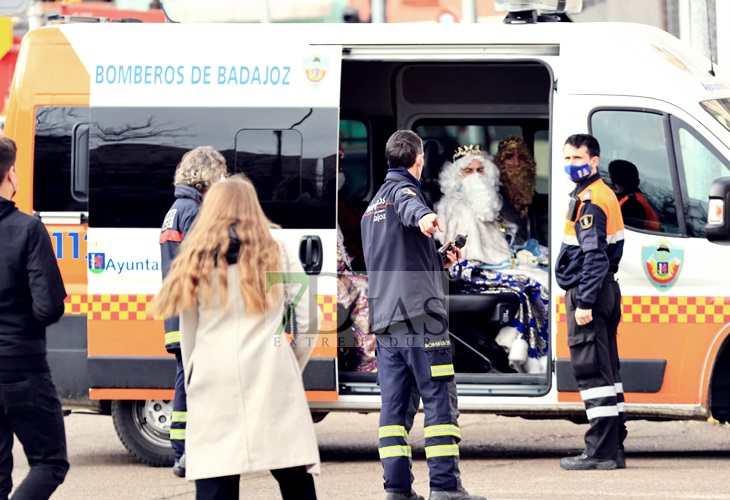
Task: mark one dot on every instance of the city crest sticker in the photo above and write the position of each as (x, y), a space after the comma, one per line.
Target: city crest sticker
(662, 264)
(316, 68)
(97, 256)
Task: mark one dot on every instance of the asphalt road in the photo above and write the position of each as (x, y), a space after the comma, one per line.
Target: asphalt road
(502, 458)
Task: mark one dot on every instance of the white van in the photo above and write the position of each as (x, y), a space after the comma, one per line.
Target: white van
(102, 113)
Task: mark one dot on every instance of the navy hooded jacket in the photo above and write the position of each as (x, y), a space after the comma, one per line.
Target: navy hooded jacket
(404, 269)
(177, 223)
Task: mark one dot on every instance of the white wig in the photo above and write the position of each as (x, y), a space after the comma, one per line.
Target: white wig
(451, 180)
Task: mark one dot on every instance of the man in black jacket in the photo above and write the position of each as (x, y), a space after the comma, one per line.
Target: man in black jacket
(31, 298)
(408, 314)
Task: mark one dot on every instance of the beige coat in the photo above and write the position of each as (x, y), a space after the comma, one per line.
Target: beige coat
(247, 410)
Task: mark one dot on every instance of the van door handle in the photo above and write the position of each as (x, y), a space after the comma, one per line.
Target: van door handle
(310, 254)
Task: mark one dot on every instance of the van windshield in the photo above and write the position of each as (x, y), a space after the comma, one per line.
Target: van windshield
(719, 109)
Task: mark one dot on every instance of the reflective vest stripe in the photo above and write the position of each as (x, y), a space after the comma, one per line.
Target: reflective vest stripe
(179, 416)
(442, 450)
(392, 431)
(602, 411)
(613, 238)
(605, 391)
(394, 451)
(177, 434)
(442, 430)
(172, 337)
(442, 370)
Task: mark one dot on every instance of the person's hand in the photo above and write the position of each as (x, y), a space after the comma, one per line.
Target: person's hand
(454, 255)
(429, 224)
(583, 316)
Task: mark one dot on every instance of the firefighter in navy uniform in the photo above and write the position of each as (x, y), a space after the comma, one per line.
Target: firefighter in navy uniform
(593, 243)
(196, 172)
(408, 313)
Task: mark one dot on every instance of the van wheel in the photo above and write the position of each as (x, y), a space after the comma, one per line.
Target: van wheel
(144, 429)
(720, 386)
(318, 416)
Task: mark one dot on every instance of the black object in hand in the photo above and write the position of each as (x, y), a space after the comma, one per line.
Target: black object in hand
(459, 242)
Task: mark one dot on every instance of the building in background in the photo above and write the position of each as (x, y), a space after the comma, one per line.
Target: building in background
(703, 23)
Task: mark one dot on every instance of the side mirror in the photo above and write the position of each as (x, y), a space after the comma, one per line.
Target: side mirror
(718, 217)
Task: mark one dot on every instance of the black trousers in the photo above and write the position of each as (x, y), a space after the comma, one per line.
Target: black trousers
(295, 483)
(179, 410)
(595, 361)
(30, 409)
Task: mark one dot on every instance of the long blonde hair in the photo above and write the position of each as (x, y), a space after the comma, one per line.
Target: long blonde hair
(231, 202)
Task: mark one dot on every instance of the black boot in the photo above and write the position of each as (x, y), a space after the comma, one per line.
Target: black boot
(621, 458)
(404, 496)
(584, 462)
(454, 495)
(179, 468)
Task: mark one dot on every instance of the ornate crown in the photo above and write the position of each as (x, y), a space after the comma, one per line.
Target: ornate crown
(467, 151)
(511, 142)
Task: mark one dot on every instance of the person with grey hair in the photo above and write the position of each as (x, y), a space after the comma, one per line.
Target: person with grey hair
(198, 170)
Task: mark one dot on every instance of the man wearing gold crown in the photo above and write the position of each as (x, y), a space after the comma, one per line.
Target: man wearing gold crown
(518, 173)
(470, 205)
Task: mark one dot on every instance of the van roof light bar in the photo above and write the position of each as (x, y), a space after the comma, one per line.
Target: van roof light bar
(538, 11)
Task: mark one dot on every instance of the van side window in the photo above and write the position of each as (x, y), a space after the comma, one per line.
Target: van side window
(701, 165)
(355, 164)
(53, 190)
(639, 137)
(542, 158)
(272, 160)
(289, 154)
(353, 195)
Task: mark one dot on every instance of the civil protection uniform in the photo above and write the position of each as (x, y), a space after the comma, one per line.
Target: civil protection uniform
(593, 242)
(177, 223)
(649, 216)
(408, 311)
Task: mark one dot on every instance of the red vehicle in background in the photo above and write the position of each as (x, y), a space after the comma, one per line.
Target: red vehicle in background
(12, 30)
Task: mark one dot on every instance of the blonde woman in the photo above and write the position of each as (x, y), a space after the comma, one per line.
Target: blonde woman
(247, 410)
(198, 170)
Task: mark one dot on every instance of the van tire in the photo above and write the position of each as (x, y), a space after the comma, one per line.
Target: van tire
(149, 442)
(720, 386)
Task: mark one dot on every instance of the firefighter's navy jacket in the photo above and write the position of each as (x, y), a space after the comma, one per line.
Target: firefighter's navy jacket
(404, 268)
(593, 241)
(177, 223)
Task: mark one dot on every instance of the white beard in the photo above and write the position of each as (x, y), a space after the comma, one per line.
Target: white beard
(483, 198)
(471, 207)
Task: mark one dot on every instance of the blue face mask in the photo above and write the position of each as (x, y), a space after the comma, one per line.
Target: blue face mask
(577, 172)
